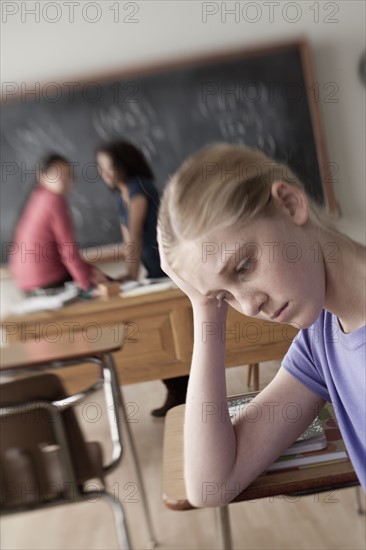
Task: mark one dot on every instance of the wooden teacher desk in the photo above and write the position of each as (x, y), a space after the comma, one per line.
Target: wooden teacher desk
(158, 333)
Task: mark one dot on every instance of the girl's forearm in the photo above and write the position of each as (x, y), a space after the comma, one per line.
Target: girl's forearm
(209, 439)
(133, 263)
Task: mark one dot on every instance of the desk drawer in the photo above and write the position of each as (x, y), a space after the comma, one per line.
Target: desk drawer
(255, 340)
(156, 345)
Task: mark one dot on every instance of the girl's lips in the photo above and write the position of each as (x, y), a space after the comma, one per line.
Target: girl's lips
(280, 314)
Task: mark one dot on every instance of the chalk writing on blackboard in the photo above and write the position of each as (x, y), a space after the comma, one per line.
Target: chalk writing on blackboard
(260, 98)
(77, 216)
(33, 140)
(237, 119)
(137, 119)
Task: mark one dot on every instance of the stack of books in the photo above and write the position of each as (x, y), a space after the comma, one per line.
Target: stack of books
(320, 443)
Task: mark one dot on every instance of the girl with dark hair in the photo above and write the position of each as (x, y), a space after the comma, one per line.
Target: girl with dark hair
(126, 172)
(45, 253)
(128, 175)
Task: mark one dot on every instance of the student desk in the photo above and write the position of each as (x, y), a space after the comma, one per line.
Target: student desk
(158, 334)
(29, 357)
(305, 481)
(32, 354)
(69, 350)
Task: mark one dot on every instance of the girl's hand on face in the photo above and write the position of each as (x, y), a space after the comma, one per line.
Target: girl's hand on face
(196, 298)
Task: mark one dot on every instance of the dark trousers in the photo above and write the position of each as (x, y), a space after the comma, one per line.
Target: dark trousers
(177, 385)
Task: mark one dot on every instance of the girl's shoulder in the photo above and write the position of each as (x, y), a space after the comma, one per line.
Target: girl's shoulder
(327, 332)
(142, 186)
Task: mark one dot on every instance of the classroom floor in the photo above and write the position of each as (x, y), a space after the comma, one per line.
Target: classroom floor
(324, 521)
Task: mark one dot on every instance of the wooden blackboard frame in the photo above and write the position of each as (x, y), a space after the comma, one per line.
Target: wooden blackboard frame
(301, 45)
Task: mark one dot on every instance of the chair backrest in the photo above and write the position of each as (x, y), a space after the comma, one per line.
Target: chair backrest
(31, 460)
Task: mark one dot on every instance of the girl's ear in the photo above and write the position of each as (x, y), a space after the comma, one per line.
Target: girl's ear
(291, 200)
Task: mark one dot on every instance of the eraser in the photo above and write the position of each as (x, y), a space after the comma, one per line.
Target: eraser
(108, 290)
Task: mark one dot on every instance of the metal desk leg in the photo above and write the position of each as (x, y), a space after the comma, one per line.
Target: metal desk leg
(118, 395)
(359, 507)
(225, 529)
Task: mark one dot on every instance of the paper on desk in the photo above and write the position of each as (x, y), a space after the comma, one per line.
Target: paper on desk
(146, 288)
(44, 303)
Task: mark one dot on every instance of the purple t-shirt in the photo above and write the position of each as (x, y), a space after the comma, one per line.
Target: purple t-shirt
(333, 365)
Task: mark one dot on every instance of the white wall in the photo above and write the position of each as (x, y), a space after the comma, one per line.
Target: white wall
(71, 48)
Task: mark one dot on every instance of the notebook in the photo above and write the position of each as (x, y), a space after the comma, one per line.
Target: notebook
(320, 442)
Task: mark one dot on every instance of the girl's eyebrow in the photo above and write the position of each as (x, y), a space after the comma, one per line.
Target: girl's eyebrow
(223, 270)
(225, 267)
(238, 257)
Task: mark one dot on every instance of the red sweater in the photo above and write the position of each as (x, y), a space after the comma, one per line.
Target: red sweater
(44, 248)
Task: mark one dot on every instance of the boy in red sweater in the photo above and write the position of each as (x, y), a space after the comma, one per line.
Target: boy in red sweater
(45, 253)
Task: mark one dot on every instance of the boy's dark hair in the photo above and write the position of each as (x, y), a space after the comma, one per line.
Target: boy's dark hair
(43, 165)
(127, 159)
(50, 159)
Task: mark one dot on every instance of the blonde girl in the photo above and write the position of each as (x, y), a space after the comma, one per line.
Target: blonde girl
(237, 229)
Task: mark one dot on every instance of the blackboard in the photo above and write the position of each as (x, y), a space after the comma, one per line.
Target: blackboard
(263, 98)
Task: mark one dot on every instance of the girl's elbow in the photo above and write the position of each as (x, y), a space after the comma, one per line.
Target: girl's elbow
(198, 498)
(211, 494)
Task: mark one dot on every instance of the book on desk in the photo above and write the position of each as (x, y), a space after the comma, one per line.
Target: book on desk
(320, 443)
(49, 299)
(52, 299)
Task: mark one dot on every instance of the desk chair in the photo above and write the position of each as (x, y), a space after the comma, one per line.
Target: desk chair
(305, 481)
(45, 460)
(33, 357)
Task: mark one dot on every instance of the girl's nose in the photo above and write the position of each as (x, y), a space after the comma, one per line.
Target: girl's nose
(253, 303)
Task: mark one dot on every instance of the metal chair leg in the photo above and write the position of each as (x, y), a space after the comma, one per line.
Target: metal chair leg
(225, 528)
(123, 537)
(135, 460)
(113, 405)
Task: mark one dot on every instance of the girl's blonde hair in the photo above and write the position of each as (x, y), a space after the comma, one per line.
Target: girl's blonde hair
(220, 186)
